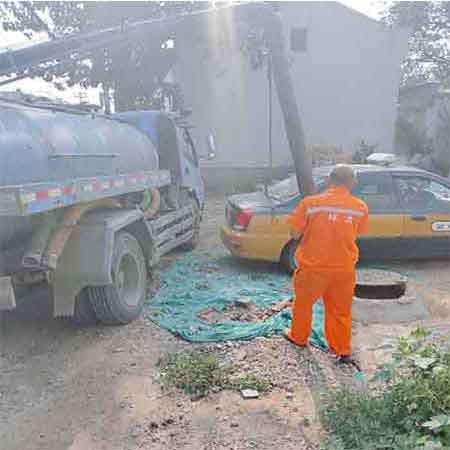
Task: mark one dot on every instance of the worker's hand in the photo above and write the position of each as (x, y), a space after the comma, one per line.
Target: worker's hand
(296, 235)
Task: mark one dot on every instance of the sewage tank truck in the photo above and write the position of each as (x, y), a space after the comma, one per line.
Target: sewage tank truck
(89, 203)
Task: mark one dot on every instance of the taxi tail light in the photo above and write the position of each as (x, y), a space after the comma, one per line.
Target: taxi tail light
(243, 219)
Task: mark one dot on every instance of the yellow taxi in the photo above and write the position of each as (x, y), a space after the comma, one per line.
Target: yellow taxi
(409, 216)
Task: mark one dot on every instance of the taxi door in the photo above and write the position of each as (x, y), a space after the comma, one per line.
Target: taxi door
(425, 203)
(383, 238)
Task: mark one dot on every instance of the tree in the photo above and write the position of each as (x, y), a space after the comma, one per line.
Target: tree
(426, 146)
(134, 70)
(429, 23)
(428, 60)
(441, 138)
(362, 152)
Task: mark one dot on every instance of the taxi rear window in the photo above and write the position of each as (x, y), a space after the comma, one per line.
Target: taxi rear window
(288, 187)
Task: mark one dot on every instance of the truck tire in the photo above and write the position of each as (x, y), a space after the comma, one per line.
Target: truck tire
(122, 301)
(287, 260)
(84, 313)
(193, 242)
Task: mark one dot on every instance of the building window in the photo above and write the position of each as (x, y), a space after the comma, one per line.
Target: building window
(298, 39)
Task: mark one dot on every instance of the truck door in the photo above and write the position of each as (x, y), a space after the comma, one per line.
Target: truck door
(425, 202)
(190, 171)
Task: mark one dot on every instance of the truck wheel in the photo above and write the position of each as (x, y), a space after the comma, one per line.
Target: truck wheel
(287, 259)
(84, 313)
(193, 242)
(121, 302)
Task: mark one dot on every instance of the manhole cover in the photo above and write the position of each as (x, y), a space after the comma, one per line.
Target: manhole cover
(379, 284)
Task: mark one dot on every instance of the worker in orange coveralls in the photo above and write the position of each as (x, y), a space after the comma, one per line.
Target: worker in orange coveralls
(328, 224)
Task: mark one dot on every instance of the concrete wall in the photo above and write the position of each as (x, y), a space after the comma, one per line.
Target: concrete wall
(346, 83)
(240, 178)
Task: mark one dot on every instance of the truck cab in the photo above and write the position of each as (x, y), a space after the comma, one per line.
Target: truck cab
(176, 148)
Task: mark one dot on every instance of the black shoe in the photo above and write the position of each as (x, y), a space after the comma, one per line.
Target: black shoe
(348, 360)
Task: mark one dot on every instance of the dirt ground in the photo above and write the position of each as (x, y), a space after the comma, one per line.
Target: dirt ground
(63, 387)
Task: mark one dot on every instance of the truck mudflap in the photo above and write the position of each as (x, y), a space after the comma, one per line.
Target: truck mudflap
(34, 198)
(86, 258)
(7, 297)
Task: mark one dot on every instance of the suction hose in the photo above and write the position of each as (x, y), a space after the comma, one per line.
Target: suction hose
(151, 202)
(62, 232)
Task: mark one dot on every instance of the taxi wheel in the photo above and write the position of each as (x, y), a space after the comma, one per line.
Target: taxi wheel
(287, 259)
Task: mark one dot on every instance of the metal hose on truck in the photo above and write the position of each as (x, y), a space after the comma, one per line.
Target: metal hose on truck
(52, 234)
(50, 237)
(151, 202)
(62, 232)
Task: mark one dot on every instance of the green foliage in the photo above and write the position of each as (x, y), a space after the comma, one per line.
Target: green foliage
(362, 152)
(250, 381)
(194, 372)
(441, 140)
(198, 373)
(409, 137)
(414, 141)
(412, 411)
(429, 25)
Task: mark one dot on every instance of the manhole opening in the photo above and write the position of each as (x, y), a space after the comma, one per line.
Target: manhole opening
(380, 292)
(379, 284)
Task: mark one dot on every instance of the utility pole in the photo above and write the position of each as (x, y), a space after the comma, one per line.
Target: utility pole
(286, 96)
(106, 97)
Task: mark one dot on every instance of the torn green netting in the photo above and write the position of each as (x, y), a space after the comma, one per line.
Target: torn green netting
(196, 282)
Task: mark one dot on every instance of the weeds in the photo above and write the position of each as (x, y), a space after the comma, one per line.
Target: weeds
(196, 373)
(199, 373)
(250, 381)
(411, 412)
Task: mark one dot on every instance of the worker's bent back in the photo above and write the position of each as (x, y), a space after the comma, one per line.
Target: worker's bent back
(330, 223)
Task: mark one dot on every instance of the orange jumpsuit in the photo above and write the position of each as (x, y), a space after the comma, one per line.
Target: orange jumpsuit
(330, 223)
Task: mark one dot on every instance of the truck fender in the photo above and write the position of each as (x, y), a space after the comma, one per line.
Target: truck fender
(87, 256)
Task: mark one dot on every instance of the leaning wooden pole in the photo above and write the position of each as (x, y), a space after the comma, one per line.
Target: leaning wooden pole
(287, 99)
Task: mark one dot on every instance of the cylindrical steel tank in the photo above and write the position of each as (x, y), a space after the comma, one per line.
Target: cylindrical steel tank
(39, 145)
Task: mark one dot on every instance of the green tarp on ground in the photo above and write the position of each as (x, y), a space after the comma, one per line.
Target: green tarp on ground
(196, 282)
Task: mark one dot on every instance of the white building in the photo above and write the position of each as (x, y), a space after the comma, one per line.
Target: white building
(346, 83)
